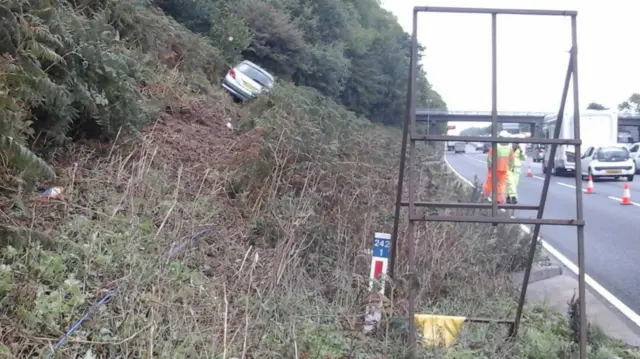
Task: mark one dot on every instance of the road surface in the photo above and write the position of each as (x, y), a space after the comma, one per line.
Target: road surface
(612, 231)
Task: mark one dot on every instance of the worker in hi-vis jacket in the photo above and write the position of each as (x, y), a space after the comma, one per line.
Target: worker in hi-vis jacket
(505, 159)
(513, 178)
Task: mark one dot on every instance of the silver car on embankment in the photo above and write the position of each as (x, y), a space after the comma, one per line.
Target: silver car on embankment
(247, 80)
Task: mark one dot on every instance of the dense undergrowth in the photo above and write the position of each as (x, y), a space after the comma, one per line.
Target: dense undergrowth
(247, 243)
(208, 241)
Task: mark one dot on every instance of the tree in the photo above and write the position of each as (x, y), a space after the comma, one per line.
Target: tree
(476, 131)
(63, 75)
(596, 106)
(353, 51)
(632, 104)
(76, 70)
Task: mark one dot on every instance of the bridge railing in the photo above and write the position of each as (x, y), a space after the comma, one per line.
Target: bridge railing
(480, 113)
(444, 112)
(631, 116)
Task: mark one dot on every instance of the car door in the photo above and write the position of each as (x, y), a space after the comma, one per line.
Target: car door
(586, 160)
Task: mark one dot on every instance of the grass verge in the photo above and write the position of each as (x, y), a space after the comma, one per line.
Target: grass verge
(250, 243)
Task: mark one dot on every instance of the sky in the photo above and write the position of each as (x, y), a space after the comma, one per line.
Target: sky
(533, 53)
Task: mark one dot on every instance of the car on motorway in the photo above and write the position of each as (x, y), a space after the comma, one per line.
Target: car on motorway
(538, 154)
(634, 151)
(480, 147)
(247, 80)
(460, 147)
(486, 147)
(608, 161)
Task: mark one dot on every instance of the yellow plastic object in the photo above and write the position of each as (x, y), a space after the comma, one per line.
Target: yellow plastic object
(437, 329)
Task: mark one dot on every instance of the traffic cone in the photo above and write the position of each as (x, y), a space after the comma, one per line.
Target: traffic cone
(590, 186)
(626, 195)
(529, 173)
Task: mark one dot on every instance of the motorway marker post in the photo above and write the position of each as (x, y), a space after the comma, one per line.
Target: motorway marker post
(379, 265)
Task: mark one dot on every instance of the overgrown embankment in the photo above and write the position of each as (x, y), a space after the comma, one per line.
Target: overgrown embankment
(249, 241)
(211, 241)
(288, 206)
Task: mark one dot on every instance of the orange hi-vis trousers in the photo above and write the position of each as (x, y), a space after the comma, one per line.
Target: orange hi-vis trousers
(505, 156)
(502, 185)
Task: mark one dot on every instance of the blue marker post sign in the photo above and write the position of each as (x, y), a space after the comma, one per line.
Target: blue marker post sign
(379, 263)
(381, 245)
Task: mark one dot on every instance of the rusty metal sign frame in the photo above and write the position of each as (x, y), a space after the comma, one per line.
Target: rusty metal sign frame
(410, 136)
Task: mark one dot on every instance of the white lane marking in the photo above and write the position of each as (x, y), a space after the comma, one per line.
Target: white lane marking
(566, 185)
(457, 173)
(620, 200)
(475, 159)
(617, 303)
(538, 177)
(571, 186)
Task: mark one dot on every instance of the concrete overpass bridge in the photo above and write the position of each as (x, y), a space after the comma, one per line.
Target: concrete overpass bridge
(626, 122)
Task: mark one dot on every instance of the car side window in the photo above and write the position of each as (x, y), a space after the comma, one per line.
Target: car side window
(634, 148)
(588, 153)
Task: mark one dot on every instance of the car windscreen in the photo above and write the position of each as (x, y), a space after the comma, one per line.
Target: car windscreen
(255, 75)
(612, 154)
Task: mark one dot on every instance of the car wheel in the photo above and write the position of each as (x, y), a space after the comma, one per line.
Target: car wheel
(630, 178)
(616, 178)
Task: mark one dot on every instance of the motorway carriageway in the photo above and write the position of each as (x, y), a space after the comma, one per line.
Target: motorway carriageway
(612, 231)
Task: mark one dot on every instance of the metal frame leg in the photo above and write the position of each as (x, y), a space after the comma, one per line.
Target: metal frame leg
(543, 201)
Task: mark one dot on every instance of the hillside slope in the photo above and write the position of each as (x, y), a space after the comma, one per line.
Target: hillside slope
(180, 237)
(352, 51)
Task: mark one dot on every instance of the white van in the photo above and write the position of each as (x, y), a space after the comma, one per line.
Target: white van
(597, 128)
(460, 147)
(450, 145)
